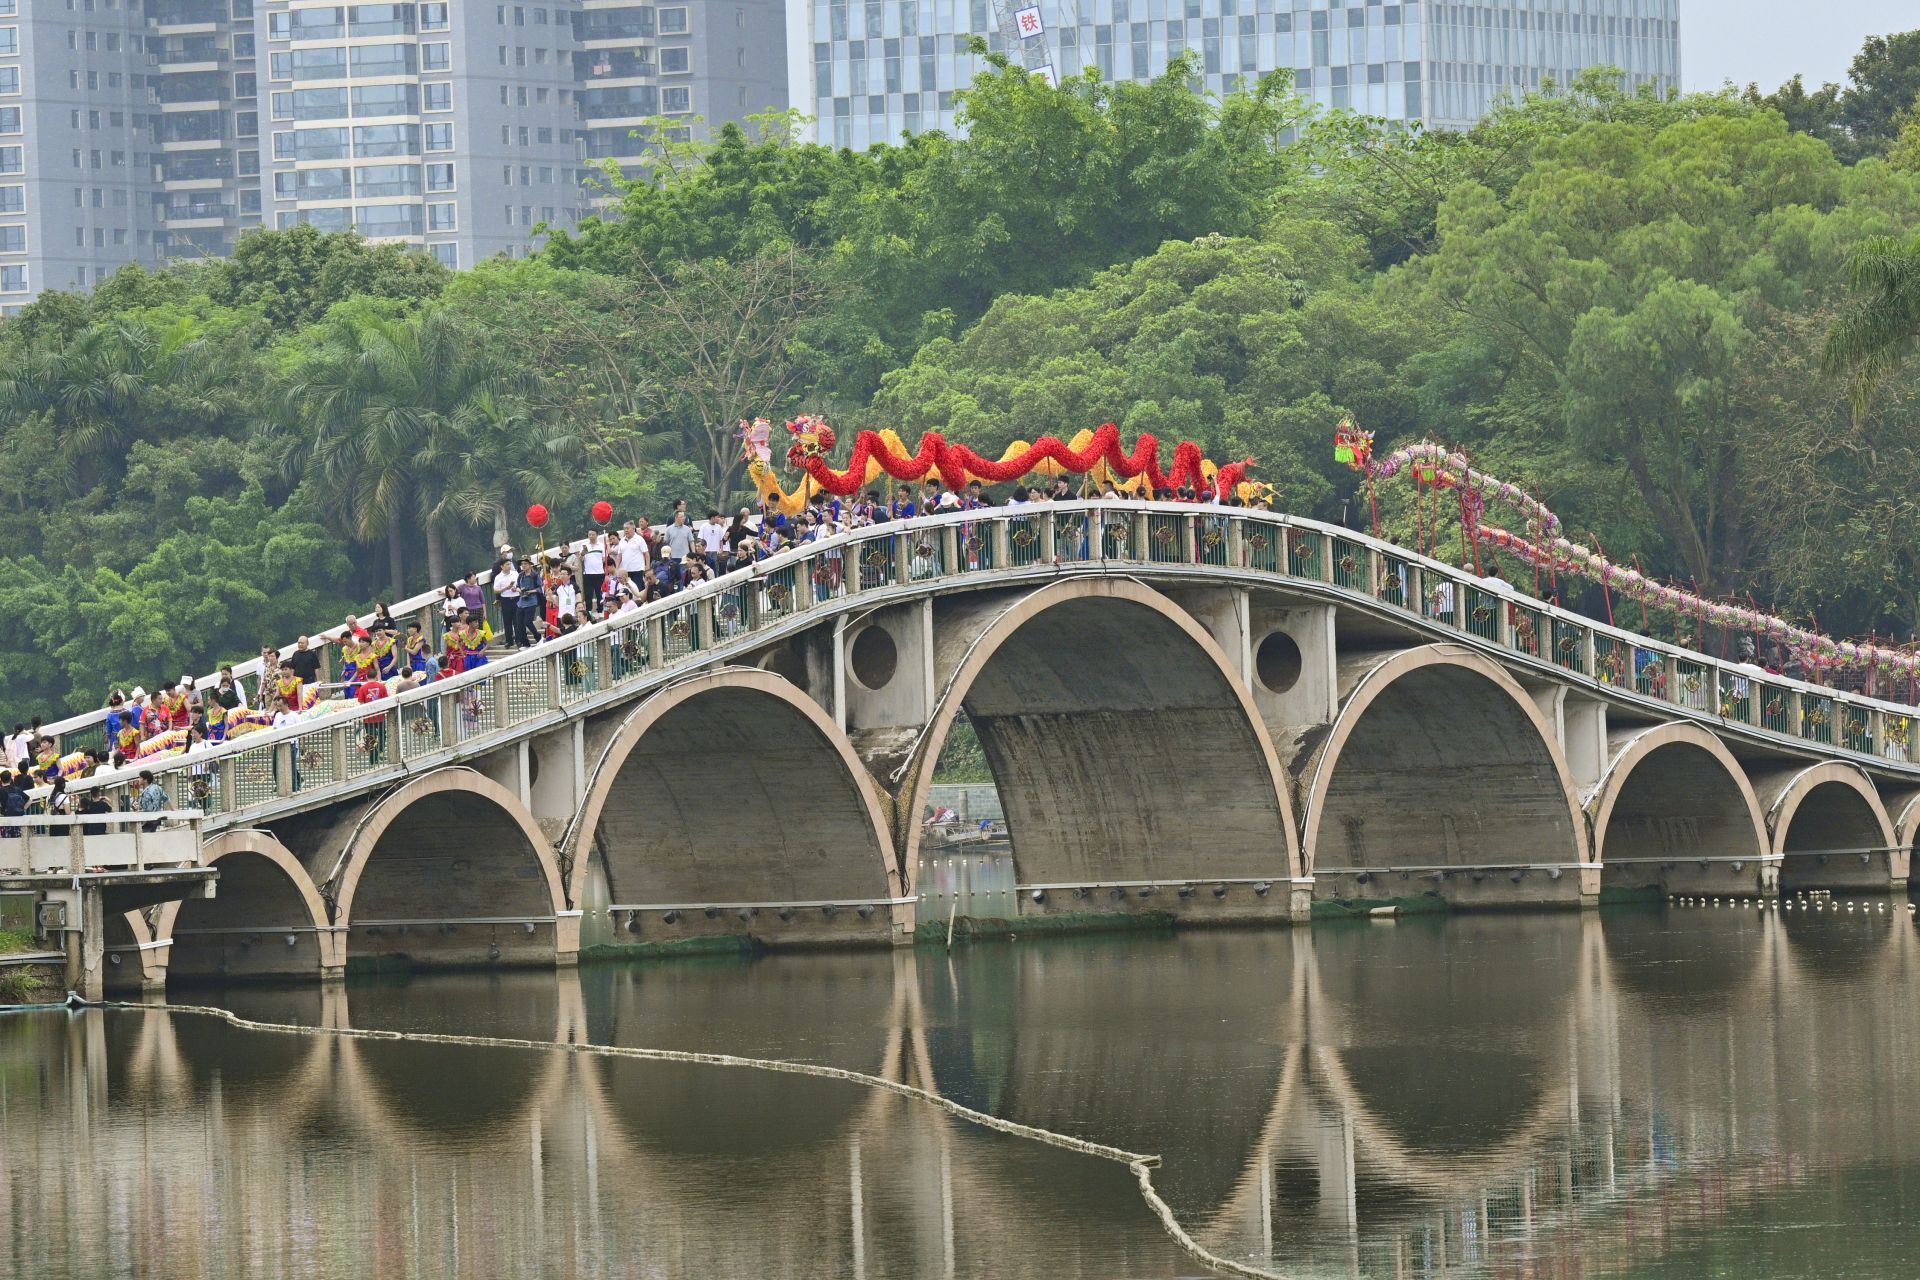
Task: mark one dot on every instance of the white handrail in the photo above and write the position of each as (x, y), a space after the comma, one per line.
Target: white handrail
(251, 666)
(1186, 559)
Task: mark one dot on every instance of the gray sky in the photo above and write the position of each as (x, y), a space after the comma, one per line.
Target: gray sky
(1768, 40)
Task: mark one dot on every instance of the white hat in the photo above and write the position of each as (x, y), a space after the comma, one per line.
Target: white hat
(949, 499)
(137, 694)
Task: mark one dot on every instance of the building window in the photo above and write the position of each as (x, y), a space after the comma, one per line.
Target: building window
(13, 159)
(439, 177)
(9, 120)
(246, 85)
(436, 57)
(13, 199)
(441, 217)
(13, 279)
(675, 61)
(449, 255)
(9, 8)
(675, 102)
(10, 80)
(433, 17)
(13, 239)
(439, 137)
(673, 22)
(10, 41)
(439, 96)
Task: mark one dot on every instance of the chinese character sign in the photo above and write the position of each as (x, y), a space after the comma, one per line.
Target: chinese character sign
(1027, 22)
(1047, 73)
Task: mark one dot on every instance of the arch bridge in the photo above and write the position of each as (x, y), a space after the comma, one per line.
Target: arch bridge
(1211, 712)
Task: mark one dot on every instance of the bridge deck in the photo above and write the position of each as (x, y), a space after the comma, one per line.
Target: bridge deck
(361, 748)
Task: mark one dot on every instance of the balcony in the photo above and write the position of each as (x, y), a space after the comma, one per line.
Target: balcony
(614, 64)
(197, 213)
(591, 28)
(199, 56)
(193, 168)
(173, 15)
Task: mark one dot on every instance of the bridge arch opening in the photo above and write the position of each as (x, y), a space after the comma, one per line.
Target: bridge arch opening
(268, 920)
(451, 870)
(1133, 768)
(1832, 831)
(731, 804)
(1440, 775)
(1675, 813)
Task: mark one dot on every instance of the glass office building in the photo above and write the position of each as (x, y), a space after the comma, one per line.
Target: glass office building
(869, 70)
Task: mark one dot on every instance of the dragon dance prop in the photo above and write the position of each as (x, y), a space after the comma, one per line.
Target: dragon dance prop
(882, 454)
(1544, 547)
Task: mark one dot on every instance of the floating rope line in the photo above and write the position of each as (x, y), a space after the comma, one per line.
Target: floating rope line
(1141, 1165)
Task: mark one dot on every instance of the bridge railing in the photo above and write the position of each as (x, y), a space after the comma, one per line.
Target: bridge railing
(88, 728)
(1016, 543)
(72, 844)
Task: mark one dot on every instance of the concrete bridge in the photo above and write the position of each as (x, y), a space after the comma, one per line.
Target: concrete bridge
(1219, 714)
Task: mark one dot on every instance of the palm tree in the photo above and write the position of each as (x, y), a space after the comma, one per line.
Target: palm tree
(122, 381)
(380, 406)
(1882, 327)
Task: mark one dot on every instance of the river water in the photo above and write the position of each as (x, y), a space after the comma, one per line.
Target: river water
(1644, 1093)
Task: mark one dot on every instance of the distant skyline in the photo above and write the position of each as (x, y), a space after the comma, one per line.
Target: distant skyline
(1768, 41)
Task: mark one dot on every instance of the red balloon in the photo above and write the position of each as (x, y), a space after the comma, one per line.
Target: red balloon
(602, 512)
(536, 515)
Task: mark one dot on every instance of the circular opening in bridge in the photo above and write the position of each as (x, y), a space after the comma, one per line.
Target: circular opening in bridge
(1277, 662)
(873, 657)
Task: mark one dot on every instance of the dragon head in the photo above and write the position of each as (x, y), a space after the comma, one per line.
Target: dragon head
(812, 437)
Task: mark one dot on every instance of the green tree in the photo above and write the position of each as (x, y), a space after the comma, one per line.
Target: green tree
(294, 275)
(1615, 289)
(391, 415)
(1880, 330)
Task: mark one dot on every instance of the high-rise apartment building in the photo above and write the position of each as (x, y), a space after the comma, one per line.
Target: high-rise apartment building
(869, 70)
(139, 130)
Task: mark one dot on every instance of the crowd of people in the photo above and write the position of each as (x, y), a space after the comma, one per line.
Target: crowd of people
(523, 600)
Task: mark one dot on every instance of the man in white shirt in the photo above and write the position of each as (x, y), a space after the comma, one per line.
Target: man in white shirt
(634, 556)
(17, 745)
(506, 589)
(713, 539)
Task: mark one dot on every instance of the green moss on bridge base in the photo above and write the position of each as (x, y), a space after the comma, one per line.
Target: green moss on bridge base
(1426, 904)
(679, 949)
(1616, 896)
(969, 929)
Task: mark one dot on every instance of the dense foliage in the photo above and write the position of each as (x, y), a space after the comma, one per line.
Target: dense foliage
(1680, 321)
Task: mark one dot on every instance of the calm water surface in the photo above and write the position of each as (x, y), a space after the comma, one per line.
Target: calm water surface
(1678, 1093)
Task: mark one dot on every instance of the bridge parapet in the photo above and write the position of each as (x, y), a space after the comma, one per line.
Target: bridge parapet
(359, 748)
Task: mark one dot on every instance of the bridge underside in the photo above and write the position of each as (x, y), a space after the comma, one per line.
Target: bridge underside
(1834, 840)
(734, 812)
(1682, 823)
(1130, 768)
(452, 880)
(1442, 782)
(258, 927)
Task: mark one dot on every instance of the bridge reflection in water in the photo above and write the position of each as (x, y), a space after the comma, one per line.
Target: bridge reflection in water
(1490, 1095)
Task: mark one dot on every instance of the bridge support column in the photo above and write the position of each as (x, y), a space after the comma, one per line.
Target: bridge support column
(1300, 900)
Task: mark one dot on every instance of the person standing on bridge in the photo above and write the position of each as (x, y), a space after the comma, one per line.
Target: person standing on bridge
(530, 604)
(506, 590)
(152, 798)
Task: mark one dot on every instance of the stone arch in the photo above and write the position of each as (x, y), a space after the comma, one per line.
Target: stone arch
(136, 961)
(451, 868)
(1422, 735)
(1125, 747)
(1906, 832)
(1830, 829)
(1653, 825)
(775, 809)
(265, 893)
